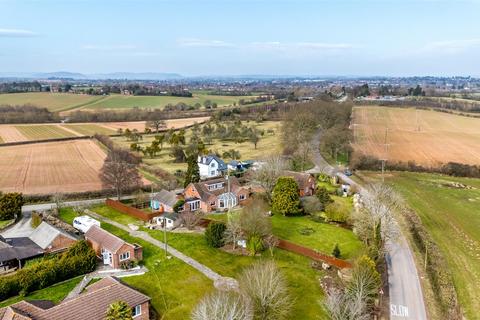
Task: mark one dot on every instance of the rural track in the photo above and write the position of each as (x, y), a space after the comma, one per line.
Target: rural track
(405, 291)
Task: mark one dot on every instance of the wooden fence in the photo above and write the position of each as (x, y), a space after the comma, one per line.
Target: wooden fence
(133, 212)
(312, 254)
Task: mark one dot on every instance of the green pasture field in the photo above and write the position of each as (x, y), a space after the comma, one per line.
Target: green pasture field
(51, 101)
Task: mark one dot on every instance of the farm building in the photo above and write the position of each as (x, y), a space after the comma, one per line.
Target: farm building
(111, 249)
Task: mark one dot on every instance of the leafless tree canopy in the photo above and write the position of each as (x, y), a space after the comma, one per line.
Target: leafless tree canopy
(380, 202)
(269, 172)
(341, 306)
(118, 173)
(223, 306)
(267, 288)
(253, 219)
(191, 219)
(234, 230)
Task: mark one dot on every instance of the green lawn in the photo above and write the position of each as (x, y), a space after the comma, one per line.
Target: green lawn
(323, 238)
(268, 145)
(117, 101)
(300, 276)
(90, 129)
(55, 293)
(115, 215)
(41, 132)
(4, 223)
(452, 217)
(175, 287)
(51, 101)
(67, 214)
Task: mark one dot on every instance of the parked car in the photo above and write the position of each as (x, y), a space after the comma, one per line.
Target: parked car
(83, 223)
(347, 172)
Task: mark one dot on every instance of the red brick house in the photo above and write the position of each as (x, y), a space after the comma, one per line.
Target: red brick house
(111, 249)
(306, 182)
(215, 194)
(92, 304)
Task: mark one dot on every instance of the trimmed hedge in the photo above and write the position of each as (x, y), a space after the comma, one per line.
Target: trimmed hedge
(78, 260)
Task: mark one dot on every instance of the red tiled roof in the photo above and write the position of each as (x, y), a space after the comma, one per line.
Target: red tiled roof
(91, 305)
(106, 239)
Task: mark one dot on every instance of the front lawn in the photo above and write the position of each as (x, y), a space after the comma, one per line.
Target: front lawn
(175, 287)
(4, 223)
(55, 293)
(115, 215)
(317, 235)
(303, 280)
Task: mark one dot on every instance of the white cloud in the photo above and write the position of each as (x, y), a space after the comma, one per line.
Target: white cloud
(452, 46)
(194, 42)
(316, 46)
(16, 33)
(95, 47)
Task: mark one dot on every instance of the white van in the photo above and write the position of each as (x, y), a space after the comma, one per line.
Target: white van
(83, 223)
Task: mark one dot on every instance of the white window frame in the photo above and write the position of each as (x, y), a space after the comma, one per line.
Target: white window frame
(242, 197)
(126, 254)
(135, 312)
(194, 205)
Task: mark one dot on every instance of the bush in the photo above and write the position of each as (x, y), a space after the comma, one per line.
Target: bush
(214, 234)
(336, 251)
(285, 198)
(178, 205)
(10, 205)
(336, 212)
(324, 197)
(78, 260)
(255, 245)
(311, 205)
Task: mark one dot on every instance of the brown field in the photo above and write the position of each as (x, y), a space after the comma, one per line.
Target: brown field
(32, 132)
(69, 166)
(427, 137)
(140, 125)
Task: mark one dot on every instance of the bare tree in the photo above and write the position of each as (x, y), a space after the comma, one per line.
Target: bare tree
(58, 198)
(303, 153)
(234, 230)
(253, 219)
(265, 285)
(375, 222)
(270, 242)
(223, 306)
(157, 124)
(191, 219)
(119, 173)
(341, 306)
(269, 172)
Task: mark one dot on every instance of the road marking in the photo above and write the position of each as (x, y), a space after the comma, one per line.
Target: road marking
(398, 311)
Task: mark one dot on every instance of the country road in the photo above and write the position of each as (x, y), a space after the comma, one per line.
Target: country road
(406, 297)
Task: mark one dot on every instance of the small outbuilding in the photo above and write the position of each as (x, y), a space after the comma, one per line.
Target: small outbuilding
(163, 201)
(52, 239)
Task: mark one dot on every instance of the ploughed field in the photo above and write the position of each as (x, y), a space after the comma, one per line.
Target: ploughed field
(32, 132)
(41, 168)
(429, 138)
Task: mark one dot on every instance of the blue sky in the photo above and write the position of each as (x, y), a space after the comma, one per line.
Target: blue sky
(303, 37)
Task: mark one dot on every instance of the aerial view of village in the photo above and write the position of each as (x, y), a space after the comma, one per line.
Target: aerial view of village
(239, 160)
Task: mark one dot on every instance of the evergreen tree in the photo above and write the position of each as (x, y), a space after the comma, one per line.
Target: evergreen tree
(285, 198)
(336, 251)
(119, 311)
(193, 172)
(324, 197)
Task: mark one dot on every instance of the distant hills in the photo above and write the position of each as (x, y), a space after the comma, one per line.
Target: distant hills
(99, 76)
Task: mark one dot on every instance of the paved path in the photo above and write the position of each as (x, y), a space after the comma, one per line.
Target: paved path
(406, 296)
(174, 252)
(103, 274)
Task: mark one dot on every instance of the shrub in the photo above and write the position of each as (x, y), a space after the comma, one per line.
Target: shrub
(311, 205)
(336, 251)
(178, 205)
(79, 259)
(254, 245)
(336, 212)
(285, 198)
(324, 197)
(10, 205)
(214, 234)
